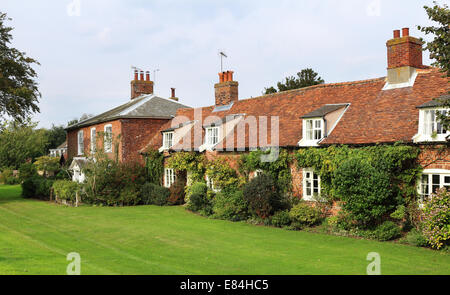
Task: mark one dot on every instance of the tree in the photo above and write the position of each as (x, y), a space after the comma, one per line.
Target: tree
(47, 164)
(21, 142)
(56, 136)
(439, 47)
(306, 77)
(18, 89)
(82, 118)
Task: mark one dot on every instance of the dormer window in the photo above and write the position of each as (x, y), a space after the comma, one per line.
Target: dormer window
(314, 129)
(319, 123)
(167, 140)
(212, 136)
(430, 127)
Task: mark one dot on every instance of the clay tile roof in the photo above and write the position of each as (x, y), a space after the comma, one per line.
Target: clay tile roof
(375, 115)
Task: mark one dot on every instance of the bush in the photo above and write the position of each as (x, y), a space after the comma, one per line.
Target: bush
(128, 197)
(262, 196)
(399, 213)
(177, 192)
(281, 219)
(436, 219)
(7, 177)
(365, 191)
(37, 187)
(303, 215)
(27, 170)
(416, 238)
(199, 188)
(231, 205)
(153, 194)
(384, 232)
(66, 189)
(43, 188)
(29, 187)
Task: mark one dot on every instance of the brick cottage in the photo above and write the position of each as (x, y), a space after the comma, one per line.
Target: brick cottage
(398, 107)
(122, 131)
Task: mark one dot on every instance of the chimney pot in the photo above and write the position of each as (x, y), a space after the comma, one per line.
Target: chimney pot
(147, 76)
(136, 75)
(405, 32)
(142, 75)
(396, 34)
(173, 92)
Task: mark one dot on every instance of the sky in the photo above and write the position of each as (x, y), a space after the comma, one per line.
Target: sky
(86, 48)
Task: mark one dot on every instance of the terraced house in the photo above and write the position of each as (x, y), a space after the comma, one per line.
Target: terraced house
(122, 131)
(399, 107)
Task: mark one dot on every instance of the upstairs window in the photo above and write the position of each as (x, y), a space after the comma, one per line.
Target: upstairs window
(430, 127)
(108, 139)
(93, 140)
(311, 185)
(167, 140)
(80, 142)
(313, 129)
(212, 136)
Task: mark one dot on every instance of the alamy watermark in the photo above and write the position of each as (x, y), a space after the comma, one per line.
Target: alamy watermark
(74, 8)
(374, 267)
(74, 267)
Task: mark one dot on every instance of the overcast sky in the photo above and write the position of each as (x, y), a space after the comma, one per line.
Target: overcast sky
(86, 48)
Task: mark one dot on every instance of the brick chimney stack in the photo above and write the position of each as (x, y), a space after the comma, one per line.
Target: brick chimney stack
(173, 96)
(227, 89)
(404, 55)
(141, 86)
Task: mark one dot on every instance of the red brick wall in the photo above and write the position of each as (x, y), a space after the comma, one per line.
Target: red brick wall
(226, 92)
(72, 138)
(435, 157)
(136, 133)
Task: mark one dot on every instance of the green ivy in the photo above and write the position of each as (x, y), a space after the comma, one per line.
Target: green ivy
(191, 162)
(222, 174)
(154, 162)
(279, 169)
(398, 160)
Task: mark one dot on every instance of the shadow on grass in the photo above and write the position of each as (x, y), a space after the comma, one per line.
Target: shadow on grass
(11, 193)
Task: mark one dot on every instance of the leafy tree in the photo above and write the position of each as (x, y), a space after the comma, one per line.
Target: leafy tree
(439, 48)
(47, 164)
(56, 136)
(18, 89)
(21, 142)
(306, 77)
(82, 118)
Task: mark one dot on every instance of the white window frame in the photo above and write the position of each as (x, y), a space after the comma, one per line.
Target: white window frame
(211, 134)
(313, 131)
(80, 142)
(309, 183)
(258, 172)
(168, 140)
(108, 139)
(428, 124)
(427, 184)
(169, 177)
(93, 140)
(210, 184)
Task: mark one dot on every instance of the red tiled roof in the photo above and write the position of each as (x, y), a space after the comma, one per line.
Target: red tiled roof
(374, 115)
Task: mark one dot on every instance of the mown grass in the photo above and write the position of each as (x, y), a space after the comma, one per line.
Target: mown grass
(36, 236)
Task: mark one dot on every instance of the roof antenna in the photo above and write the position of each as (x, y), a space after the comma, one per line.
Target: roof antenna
(136, 68)
(222, 55)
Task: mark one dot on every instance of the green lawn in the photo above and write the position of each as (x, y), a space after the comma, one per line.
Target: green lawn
(36, 236)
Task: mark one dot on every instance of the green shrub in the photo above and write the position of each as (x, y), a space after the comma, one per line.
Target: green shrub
(262, 196)
(29, 187)
(303, 215)
(399, 213)
(281, 219)
(365, 191)
(386, 231)
(199, 188)
(7, 177)
(177, 192)
(436, 219)
(230, 205)
(153, 194)
(416, 238)
(27, 170)
(128, 197)
(43, 188)
(66, 189)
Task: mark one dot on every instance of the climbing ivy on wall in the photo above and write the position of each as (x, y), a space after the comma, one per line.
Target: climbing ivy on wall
(223, 175)
(154, 162)
(398, 160)
(191, 162)
(279, 169)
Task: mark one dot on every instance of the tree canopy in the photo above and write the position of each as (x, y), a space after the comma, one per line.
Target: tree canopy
(306, 77)
(19, 93)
